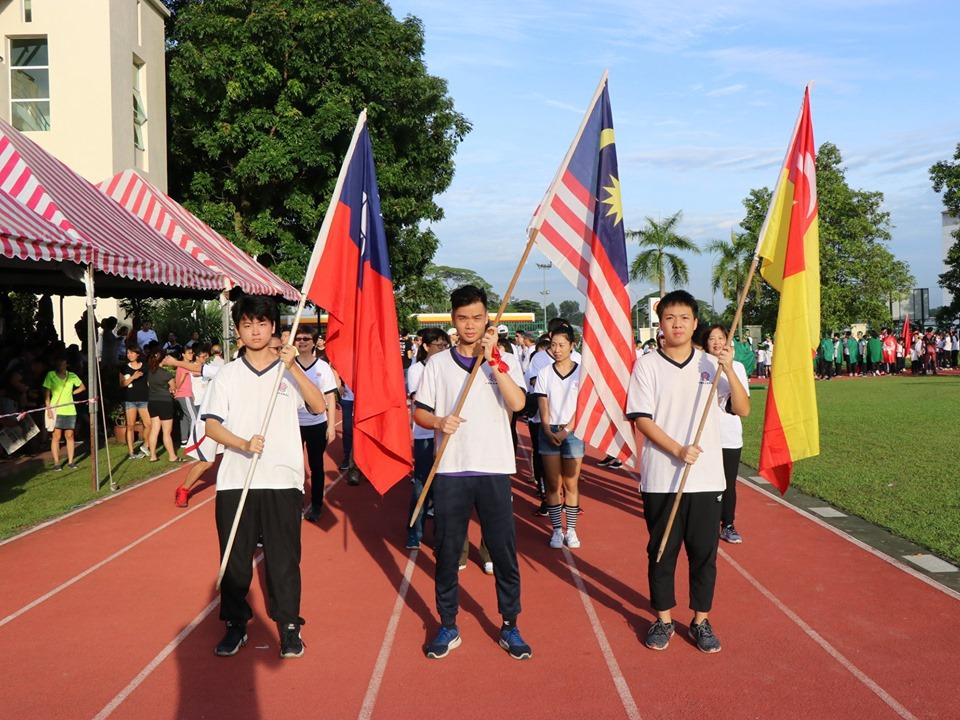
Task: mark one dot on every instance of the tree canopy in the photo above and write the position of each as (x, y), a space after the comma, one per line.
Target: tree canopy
(945, 176)
(263, 97)
(858, 273)
(657, 239)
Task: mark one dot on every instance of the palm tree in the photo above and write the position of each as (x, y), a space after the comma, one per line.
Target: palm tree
(732, 265)
(656, 240)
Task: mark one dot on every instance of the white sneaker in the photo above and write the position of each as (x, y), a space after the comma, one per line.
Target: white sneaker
(571, 539)
(488, 568)
(556, 540)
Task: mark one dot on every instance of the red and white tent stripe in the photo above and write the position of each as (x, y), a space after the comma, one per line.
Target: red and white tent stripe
(103, 234)
(165, 215)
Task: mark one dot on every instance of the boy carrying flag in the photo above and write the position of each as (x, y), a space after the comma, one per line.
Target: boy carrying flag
(667, 396)
(234, 407)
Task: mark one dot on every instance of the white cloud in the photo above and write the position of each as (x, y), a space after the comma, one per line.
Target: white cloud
(692, 157)
(727, 90)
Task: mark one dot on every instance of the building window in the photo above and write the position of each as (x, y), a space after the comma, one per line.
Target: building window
(139, 117)
(27, 10)
(29, 84)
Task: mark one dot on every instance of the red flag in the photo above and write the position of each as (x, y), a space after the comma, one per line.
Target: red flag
(349, 276)
(907, 336)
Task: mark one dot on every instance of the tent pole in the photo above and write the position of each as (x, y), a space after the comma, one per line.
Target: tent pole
(92, 389)
(225, 321)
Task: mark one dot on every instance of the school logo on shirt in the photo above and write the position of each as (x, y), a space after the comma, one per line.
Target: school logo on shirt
(283, 391)
(705, 378)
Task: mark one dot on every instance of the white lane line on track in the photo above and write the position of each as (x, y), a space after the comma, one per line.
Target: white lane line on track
(380, 667)
(93, 568)
(859, 543)
(819, 639)
(89, 505)
(623, 690)
(175, 643)
(160, 657)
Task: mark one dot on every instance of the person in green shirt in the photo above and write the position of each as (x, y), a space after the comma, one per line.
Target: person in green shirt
(60, 385)
(826, 357)
(875, 351)
(853, 354)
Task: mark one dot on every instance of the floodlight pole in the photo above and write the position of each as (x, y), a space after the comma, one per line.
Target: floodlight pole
(543, 293)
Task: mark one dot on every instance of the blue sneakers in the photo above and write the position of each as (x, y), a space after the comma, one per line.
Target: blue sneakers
(511, 641)
(447, 639)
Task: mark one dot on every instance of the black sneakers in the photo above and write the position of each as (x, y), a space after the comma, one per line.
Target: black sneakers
(312, 513)
(659, 634)
(234, 639)
(703, 636)
(291, 644)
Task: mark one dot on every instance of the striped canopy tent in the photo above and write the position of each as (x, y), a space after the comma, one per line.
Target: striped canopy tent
(194, 237)
(59, 234)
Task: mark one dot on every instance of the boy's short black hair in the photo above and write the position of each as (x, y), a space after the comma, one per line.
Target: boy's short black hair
(467, 295)
(678, 297)
(256, 307)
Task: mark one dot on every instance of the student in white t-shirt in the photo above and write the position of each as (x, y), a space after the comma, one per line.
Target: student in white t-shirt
(556, 388)
(667, 395)
(235, 406)
(731, 438)
(316, 429)
(475, 469)
(433, 340)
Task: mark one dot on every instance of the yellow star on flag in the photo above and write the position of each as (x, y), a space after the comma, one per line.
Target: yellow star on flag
(614, 200)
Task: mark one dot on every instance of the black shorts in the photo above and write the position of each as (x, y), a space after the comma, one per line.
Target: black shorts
(162, 409)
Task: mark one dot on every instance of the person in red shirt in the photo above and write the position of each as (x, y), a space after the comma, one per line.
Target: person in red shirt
(889, 351)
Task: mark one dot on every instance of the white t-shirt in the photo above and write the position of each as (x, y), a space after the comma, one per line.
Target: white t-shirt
(560, 391)
(346, 393)
(144, 337)
(674, 396)
(537, 362)
(414, 375)
(731, 428)
(482, 443)
(320, 375)
(238, 397)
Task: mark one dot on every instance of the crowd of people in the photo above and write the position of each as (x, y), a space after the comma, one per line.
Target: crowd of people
(886, 353)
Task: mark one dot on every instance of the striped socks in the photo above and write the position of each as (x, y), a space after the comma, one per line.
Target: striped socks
(573, 511)
(555, 514)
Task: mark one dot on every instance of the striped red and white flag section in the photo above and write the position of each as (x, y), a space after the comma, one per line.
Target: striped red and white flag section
(789, 248)
(580, 229)
(112, 241)
(140, 197)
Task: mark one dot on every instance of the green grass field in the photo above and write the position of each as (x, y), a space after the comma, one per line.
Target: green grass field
(36, 493)
(889, 452)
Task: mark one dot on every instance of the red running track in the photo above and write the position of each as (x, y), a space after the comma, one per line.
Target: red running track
(111, 613)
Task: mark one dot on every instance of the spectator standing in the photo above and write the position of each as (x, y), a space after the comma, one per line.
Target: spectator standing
(146, 334)
(133, 383)
(60, 385)
(160, 386)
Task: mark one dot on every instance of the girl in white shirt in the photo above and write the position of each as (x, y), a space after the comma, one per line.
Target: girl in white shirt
(556, 389)
(731, 439)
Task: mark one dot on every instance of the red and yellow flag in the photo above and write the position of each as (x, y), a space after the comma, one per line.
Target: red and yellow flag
(790, 252)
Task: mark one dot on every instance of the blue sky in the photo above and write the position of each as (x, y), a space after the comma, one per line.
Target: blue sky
(704, 98)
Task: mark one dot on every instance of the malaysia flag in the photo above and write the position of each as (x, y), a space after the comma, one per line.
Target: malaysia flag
(349, 276)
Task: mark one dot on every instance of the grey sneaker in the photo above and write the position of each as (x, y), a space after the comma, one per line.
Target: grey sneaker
(703, 636)
(729, 534)
(659, 634)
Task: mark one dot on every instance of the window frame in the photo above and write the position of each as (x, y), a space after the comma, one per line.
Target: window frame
(23, 101)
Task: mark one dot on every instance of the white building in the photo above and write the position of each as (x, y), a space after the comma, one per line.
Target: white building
(950, 226)
(85, 80)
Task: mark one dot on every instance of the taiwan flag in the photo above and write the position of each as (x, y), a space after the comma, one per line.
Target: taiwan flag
(349, 276)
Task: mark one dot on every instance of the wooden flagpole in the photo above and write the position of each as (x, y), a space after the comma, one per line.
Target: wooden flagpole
(532, 233)
(311, 268)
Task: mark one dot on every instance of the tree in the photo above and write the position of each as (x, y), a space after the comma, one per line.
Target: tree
(517, 305)
(263, 98)
(552, 312)
(945, 177)
(858, 273)
(570, 309)
(733, 263)
(450, 278)
(655, 260)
